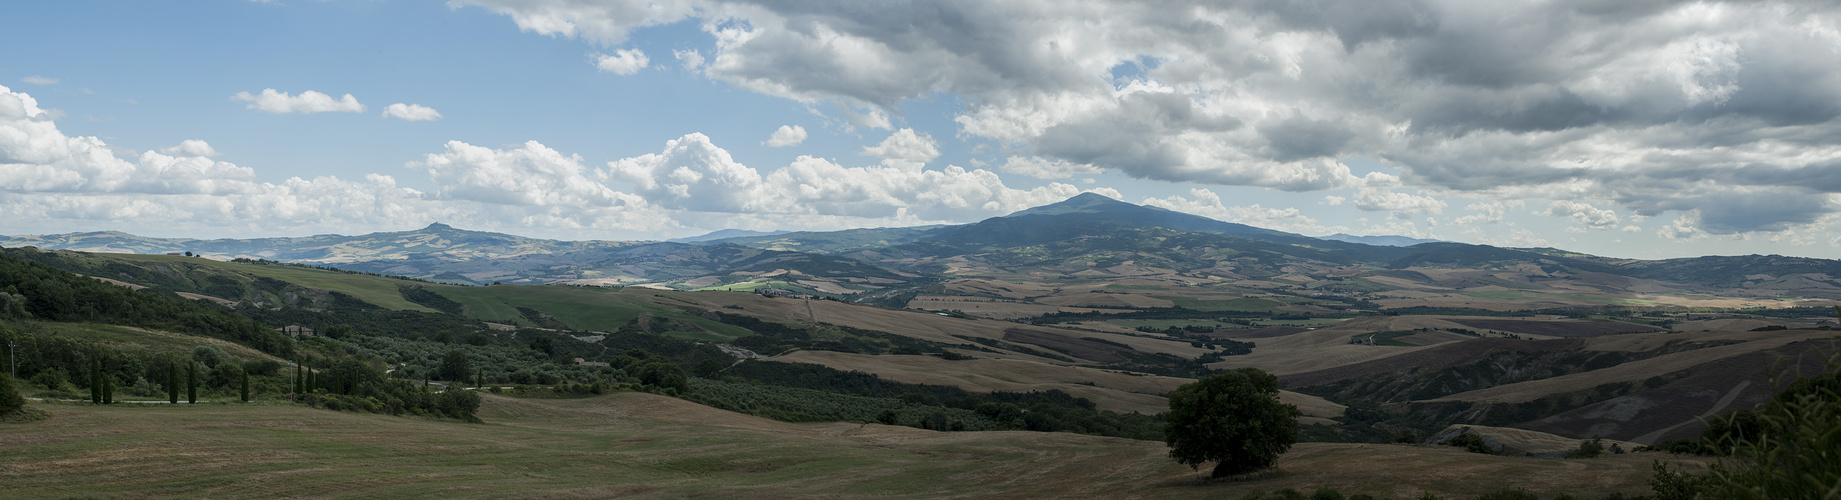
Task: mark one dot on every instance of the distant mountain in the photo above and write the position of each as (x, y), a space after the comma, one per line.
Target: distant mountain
(1097, 208)
(723, 234)
(437, 238)
(1390, 241)
(1079, 235)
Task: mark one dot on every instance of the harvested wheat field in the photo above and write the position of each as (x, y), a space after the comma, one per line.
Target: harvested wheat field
(642, 445)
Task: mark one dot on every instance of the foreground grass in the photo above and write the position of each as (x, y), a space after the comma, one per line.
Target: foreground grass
(640, 444)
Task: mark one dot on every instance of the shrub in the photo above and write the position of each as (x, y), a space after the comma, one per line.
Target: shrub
(1588, 449)
(10, 400)
(1508, 494)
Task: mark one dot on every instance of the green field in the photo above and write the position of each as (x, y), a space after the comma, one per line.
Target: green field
(1299, 322)
(585, 308)
(130, 339)
(374, 289)
(1238, 305)
(1385, 338)
(1166, 323)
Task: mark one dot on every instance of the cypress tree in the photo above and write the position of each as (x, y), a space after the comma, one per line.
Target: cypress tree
(172, 384)
(191, 383)
(246, 387)
(108, 390)
(299, 383)
(95, 380)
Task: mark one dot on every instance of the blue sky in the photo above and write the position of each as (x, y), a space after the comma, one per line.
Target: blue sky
(1653, 131)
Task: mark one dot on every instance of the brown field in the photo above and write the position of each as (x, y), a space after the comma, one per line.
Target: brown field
(1106, 300)
(1635, 370)
(1113, 391)
(1565, 329)
(1079, 348)
(986, 307)
(1431, 358)
(639, 445)
(1257, 333)
(1523, 441)
(1677, 410)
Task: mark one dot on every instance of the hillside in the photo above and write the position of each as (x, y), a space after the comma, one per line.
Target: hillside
(650, 446)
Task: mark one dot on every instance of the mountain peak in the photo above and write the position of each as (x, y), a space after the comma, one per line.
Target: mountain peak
(438, 227)
(1083, 202)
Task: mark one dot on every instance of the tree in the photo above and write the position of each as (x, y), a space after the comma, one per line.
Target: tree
(454, 366)
(1233, 418)
(108, 389)
(95, 380)
(246, 387)
(172, 384)
(191, 383)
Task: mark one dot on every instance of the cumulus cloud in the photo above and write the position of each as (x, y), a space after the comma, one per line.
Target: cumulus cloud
(1584, 214)
(605, 23)
(1624, 104)
(190, 147)
(1377, 194)
(786, 135)
(528, 175)
(1208, 204)
(622, 62)
(39, 80)
(691, 59)
(307, 102)
(694, 174)
(1484, 213)
(1045, 168)
(905, 149)
(411, 112)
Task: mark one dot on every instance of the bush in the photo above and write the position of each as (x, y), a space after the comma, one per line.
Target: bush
(1508, 494)
(10, 400)
(1588, 449)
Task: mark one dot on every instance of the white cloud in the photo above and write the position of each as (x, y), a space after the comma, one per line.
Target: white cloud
(693, 174)
(532, 175)
(1208, 204)
(307, 102)
(605, 23)
(1685, 227)
(39, 80)
(1486, 213)
(1583, 213)
(622, 62)
(905, 149)
(786, 135)
(691, 59)
(1045, 168)
(411, 112)
(1376, 194)
(190, 147)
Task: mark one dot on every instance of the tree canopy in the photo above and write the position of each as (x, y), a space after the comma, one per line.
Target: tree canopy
(1232, 418)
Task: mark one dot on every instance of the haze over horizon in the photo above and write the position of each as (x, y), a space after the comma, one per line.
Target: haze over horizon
(1647, 130)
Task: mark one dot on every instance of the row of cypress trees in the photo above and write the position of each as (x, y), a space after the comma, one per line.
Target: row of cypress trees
(102, 388)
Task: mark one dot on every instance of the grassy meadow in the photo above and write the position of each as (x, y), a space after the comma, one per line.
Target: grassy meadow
(635, 444)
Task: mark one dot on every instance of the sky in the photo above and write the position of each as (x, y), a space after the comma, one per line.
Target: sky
(1637, 129)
